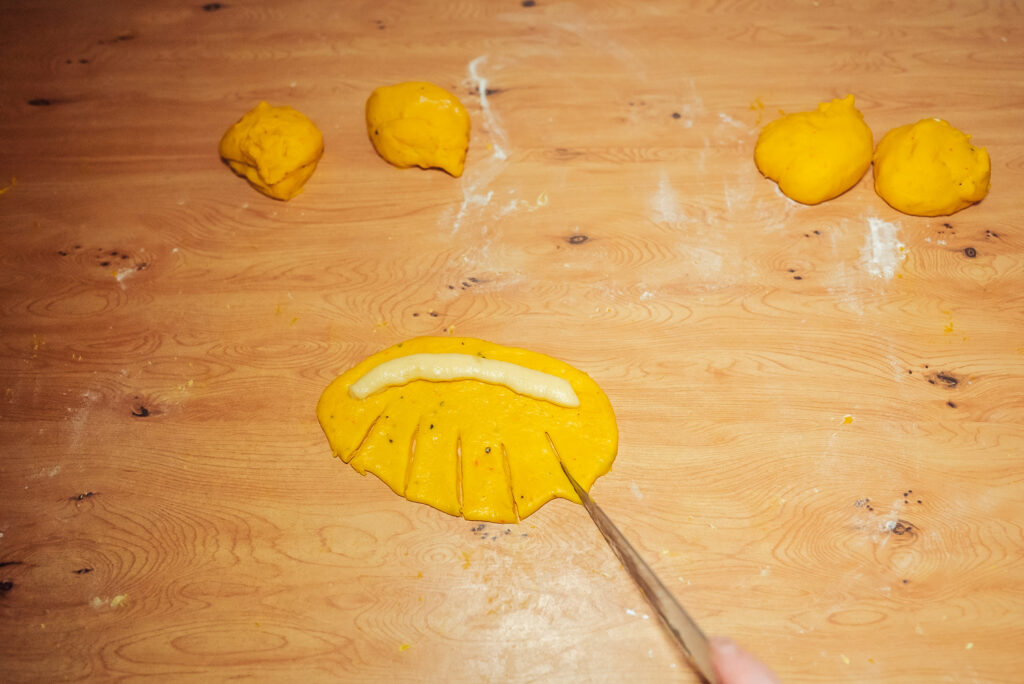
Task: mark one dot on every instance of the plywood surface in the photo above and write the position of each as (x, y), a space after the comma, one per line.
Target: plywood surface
(820, 408)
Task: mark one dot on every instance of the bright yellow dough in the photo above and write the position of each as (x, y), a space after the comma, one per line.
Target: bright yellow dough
(930, 169)
(418, 124)
(468, 447)
(815, 156)
(275, 148)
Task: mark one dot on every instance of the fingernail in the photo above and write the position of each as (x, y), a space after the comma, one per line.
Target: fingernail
(724, 645)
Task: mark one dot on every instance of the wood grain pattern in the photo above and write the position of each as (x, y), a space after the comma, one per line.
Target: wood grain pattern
(821, 431)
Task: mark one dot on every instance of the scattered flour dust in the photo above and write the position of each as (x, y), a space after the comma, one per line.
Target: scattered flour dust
(693, 107)
(472, 199)
(882, 251)
(665, 204)
(478, 181)
(46, 472)
(118, 601)
(726, 119)
(517, 205)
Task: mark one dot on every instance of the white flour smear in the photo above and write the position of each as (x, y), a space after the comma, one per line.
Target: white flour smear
(603, 44)
(726, 119)
(882, 251)
(693, 108)
(707, 265)
(473, 199)
(499, 141)
(665, 204)
(476, 181)
(735, 196)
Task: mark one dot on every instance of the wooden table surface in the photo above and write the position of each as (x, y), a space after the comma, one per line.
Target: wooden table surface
(820, 407)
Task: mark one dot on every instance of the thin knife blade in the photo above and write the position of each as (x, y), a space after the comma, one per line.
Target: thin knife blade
(687, 635)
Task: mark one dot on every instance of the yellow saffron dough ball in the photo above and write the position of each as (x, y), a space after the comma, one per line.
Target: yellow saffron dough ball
(275, 148)
(930, 169)
(815, 156)
(418, 124)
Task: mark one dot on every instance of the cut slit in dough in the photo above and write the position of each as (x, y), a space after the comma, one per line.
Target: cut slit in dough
(466, 446)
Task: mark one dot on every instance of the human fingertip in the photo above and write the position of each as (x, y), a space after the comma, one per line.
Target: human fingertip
(724, 645)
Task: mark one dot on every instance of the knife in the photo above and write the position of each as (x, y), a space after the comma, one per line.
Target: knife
(674, 618)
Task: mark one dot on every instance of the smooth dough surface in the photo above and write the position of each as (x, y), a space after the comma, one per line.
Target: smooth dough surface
(440, 367)
(418, 124)
(930, 168)
(467, 447)
(815, 156)
(275, 148)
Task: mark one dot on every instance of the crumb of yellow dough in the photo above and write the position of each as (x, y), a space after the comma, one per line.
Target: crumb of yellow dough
(468, 447)
(418, 124)
(930, 169)
(815, 156)
(275, 148)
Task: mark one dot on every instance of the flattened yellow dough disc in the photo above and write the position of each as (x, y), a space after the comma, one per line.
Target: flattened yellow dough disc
(469, 447)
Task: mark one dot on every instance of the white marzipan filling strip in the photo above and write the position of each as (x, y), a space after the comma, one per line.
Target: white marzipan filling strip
(443, 367)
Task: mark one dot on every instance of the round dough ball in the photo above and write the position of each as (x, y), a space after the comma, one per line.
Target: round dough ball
(275, 148)
(418, 124)
(930, 169)
(815, 156)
